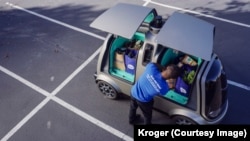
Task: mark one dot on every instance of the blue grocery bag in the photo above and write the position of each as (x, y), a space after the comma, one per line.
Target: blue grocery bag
(130, 61)
(181, 87)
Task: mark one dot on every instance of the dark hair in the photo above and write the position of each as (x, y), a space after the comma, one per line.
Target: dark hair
(176, 71)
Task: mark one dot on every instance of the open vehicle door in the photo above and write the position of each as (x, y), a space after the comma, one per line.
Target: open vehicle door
(127, 17)
(188, 34)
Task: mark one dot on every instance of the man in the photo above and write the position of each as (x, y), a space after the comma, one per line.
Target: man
(151, 83)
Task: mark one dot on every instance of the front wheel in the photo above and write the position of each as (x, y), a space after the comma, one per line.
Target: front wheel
(182, 120)
(108, 90)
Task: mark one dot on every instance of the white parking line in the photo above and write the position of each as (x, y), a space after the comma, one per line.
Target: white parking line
(92, 119)
(71, 76)
(59, 101)
(63, 103)
(145, 4)
(27, 83)
(197, 13)
(242, 86)
(26, 119)
(55, 21)
(65, 82)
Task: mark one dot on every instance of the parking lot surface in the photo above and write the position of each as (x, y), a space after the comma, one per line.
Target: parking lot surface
(48, 55)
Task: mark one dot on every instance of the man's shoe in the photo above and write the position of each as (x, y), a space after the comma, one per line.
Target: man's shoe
(136, 119)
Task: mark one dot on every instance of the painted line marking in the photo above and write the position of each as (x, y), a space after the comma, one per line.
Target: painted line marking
(65, 82)
(22, 80)
(197, 13)
(59, 101)
(242, 86)
(145, 4)
(55, 21)
(25, 119)
(71, 76)
(92, 119)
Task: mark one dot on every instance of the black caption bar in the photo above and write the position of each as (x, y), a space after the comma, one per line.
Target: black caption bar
(163, 132)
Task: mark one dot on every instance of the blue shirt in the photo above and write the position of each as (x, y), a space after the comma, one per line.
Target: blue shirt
(150, 84)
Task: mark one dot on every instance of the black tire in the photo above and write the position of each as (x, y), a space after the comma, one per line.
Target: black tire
(108, 90)
(182, 120)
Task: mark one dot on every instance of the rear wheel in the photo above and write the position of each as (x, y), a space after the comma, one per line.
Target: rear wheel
(108, 90)
(182, 120)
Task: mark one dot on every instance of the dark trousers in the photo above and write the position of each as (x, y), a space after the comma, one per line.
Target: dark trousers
(146, 108)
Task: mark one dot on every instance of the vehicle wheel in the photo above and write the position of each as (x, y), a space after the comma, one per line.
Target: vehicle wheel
(182, 120)
(108, 91)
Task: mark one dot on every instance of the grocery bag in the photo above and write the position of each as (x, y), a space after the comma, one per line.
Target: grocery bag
(181, 86)
(130, 60)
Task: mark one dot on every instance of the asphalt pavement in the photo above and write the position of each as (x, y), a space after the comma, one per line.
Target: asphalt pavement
(48, 55)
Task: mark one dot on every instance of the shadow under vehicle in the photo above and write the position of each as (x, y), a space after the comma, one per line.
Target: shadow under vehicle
(138, 35)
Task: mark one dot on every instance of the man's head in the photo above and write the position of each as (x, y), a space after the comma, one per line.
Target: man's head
(171, 72)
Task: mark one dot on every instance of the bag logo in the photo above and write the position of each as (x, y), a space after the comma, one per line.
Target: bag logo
(131, 66)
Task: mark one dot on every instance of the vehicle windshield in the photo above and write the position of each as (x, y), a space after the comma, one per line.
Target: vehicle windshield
(216, 92)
